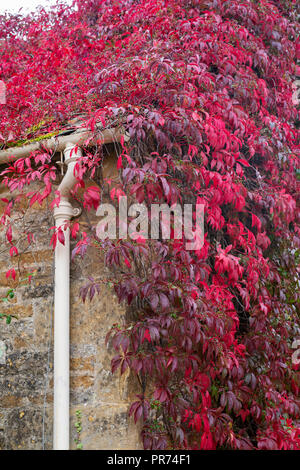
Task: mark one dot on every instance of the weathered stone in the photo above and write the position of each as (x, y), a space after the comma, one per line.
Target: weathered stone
(2, 352)
(4, 282)
(23, 387)
(11, 401)
(82, 381)
(19, 311)
(32, 258)
(83, 364)
(21, 328)
(106, 427)
(43, 323)
(24, 429)
(41, 290)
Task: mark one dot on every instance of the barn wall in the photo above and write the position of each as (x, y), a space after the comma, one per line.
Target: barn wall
(26, 351)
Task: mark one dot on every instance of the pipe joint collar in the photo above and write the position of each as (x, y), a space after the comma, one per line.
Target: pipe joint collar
(72, 152)
(66, 211)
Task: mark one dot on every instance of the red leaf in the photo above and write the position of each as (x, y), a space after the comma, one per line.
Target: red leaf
(119, 164)
(61, 236)
(13, 251)
(12, 273)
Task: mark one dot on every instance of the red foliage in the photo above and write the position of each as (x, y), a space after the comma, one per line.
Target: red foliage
(205, 90)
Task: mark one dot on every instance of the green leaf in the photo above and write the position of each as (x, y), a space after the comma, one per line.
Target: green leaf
(10, 294)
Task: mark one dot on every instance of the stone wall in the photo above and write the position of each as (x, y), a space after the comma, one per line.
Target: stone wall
(26, 351)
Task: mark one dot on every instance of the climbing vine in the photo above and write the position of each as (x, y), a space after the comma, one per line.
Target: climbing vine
(78, 427)
(9, 295)
(204, 90)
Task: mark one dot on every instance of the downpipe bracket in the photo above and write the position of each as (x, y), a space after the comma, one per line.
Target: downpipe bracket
(77, 211)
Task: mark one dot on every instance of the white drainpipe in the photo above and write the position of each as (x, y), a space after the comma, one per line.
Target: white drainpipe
(64, 212)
